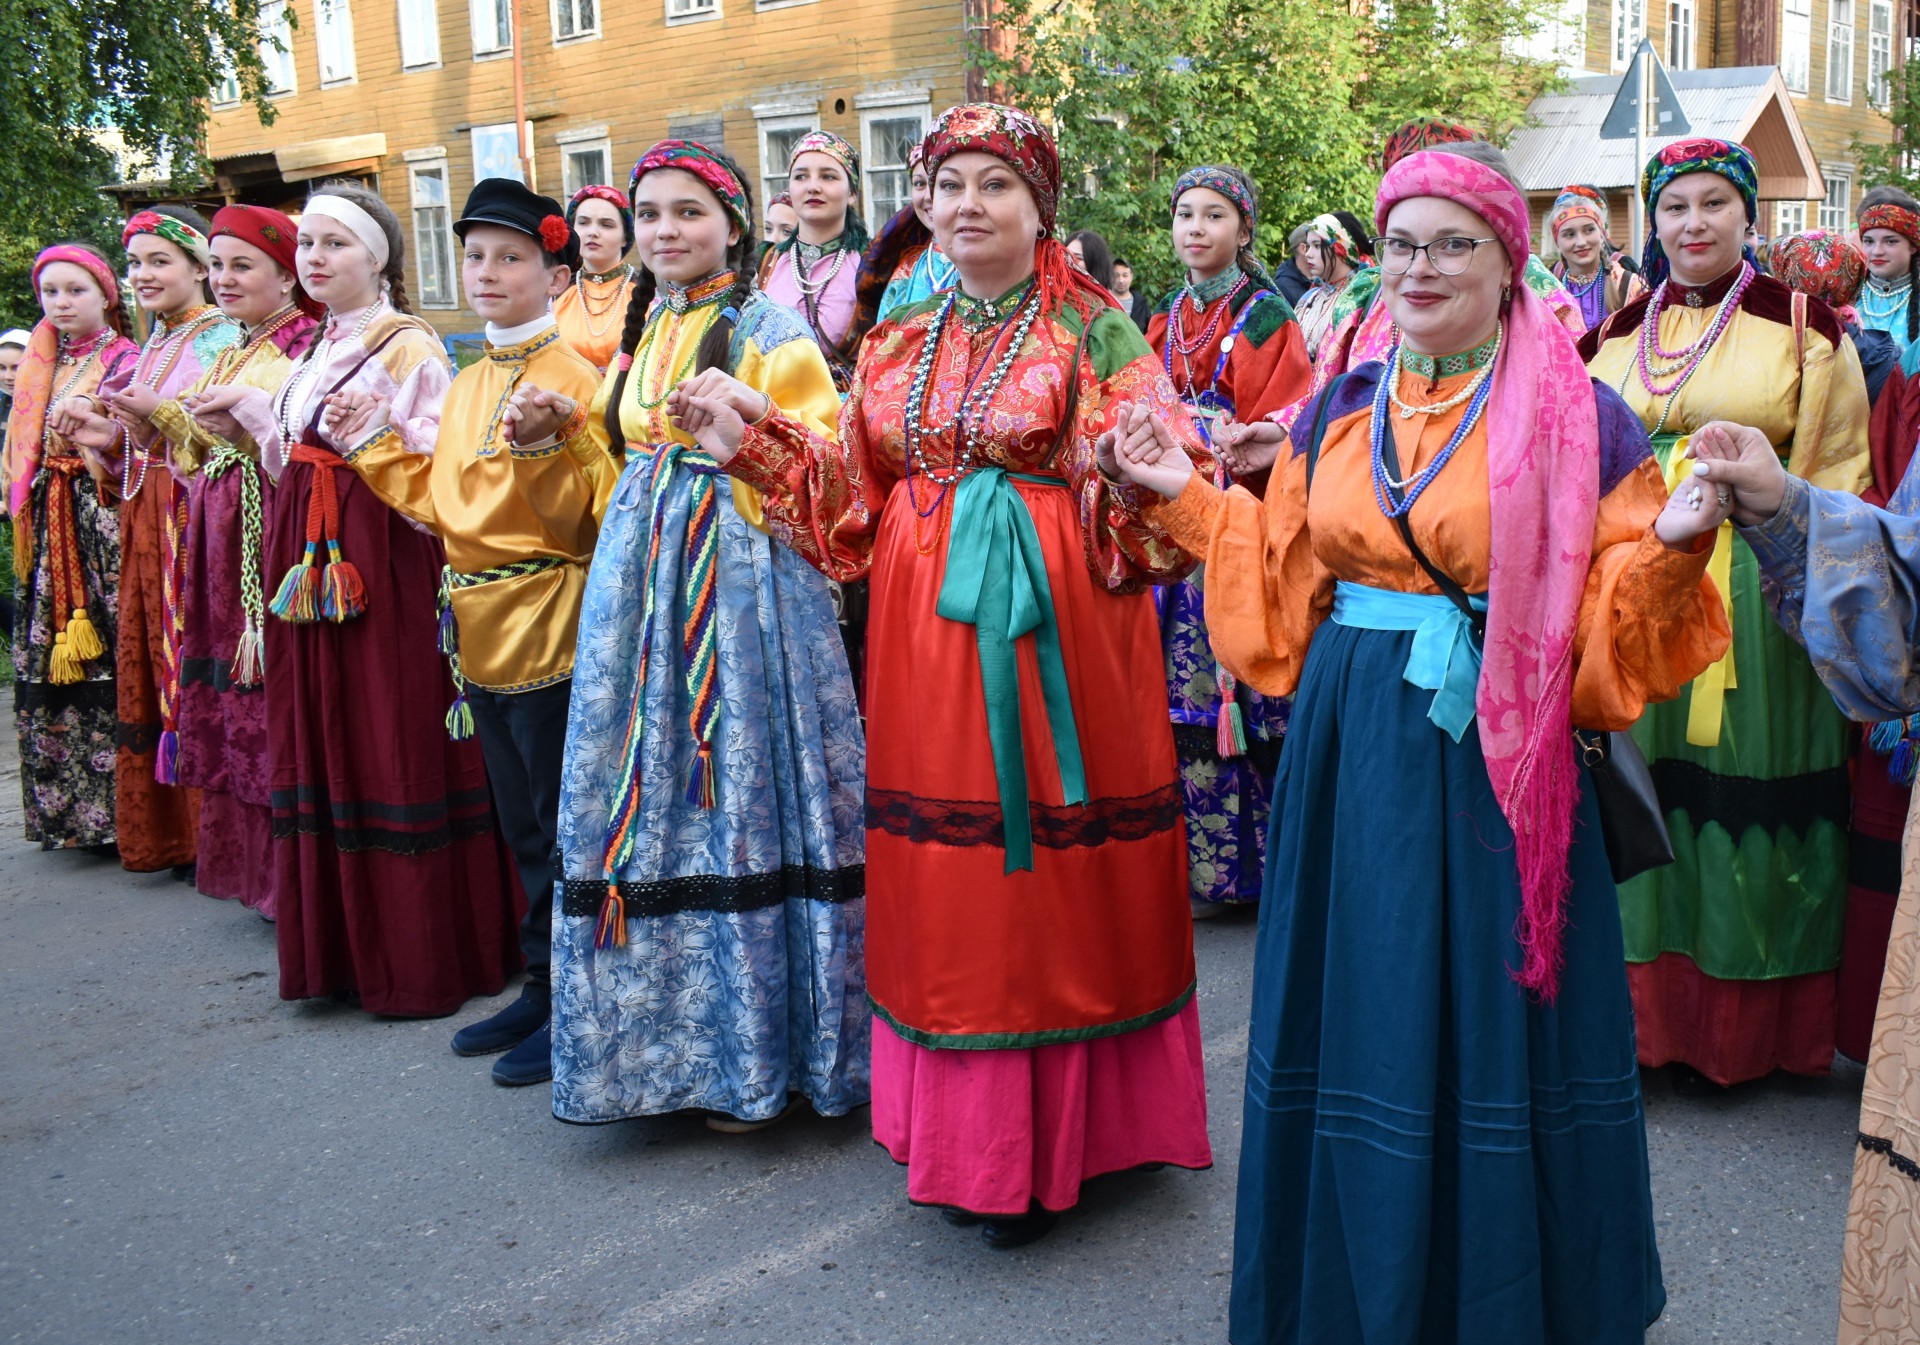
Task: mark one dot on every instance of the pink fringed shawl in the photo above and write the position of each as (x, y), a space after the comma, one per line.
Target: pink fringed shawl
(1543, 472)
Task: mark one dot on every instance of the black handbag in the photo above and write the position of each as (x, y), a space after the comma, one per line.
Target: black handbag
(1632, 823)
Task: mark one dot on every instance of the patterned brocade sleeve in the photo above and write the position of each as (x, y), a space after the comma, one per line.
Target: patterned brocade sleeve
(1125, 550)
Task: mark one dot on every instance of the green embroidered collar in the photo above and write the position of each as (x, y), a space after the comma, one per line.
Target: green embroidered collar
(978, 314)
(1433, 367)
(1206, 291)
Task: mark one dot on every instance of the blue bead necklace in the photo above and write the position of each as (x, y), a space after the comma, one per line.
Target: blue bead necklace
(1386, 490)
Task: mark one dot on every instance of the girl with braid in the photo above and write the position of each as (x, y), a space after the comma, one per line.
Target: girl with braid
(708, 950)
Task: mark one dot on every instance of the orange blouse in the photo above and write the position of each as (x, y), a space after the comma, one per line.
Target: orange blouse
(1650, 622)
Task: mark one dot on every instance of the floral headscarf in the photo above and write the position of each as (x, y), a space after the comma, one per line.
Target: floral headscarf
(1576, 202)
(835, 147)
(613, 196)
(1897, 218)
(1822, 264)
(1423, 133)
(710, 166)
(1216, 178)
(1702, 154)
(178, 232)
(1344, 246)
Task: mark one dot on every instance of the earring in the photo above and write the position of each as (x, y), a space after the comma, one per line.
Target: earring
(1506, 294)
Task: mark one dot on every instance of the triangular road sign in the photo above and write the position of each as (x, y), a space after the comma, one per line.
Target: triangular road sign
(1663, 115)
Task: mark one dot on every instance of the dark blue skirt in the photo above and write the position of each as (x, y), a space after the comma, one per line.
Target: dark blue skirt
(1429, 1155)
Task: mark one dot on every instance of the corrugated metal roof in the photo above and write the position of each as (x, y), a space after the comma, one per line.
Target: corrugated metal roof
(1562, 144)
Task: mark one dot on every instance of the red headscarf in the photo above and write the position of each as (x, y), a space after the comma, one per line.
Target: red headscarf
(274, 234)
(1898, 218)
(1025, 146)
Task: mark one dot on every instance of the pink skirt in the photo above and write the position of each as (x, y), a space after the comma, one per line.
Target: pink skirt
(991, 1131)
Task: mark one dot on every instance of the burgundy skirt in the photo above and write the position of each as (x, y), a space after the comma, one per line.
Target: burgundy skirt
(223, 727)
(390, 877)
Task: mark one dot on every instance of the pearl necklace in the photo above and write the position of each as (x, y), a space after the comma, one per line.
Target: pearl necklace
(612, 303)
(309, 369)
(1408, 410)
(82, 354)
(1878, 304)
(151, 376)
(1687, 358)
(803, 274)
(1410, 490)
(971, 405)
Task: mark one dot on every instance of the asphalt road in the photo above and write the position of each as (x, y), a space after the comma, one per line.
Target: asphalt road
(186, 1158)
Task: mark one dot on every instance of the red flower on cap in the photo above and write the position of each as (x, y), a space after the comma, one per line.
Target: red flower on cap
(554, 233)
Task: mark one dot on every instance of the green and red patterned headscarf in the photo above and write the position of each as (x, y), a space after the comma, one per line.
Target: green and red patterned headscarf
(1424, 133)
(710, 166)
(1701, 154)
(176, 231)
(1025, 146)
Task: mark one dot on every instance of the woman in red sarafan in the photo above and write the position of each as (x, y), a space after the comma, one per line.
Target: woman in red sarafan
(1029, 947)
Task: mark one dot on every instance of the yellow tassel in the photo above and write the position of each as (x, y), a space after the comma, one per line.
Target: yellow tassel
(63, 668)
(82, 638)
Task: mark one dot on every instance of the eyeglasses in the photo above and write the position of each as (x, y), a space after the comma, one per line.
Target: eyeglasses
(1450, 256)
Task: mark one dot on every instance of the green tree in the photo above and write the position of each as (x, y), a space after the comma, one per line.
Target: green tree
(1300, 93)
(74, 68)
(1895, 161)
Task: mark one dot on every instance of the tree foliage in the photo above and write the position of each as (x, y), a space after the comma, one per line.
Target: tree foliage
(1895, 162)
(1300, 93)
(74, 69)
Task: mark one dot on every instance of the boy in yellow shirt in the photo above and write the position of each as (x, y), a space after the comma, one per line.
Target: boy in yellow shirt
(519, 521)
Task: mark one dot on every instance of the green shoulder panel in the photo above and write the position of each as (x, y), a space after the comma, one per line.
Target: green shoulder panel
(1268, 316)
(1113, 342)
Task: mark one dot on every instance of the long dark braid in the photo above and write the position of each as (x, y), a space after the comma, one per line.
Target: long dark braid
(717, 344)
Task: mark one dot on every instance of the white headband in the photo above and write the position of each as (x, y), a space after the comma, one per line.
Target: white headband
(362, 225)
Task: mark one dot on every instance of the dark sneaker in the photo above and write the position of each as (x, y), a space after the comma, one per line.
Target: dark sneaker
(508, 1028)
(528, 1063)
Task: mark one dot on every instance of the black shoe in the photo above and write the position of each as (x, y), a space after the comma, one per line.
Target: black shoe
(528, 1063)
(187, 873)
(508, 1028)
(962, 1218)
(1003, 1235)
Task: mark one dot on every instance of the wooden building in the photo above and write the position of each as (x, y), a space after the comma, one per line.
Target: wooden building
(416, 97)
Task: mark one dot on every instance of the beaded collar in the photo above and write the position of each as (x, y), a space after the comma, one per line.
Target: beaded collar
(980, 314)
(1889, 287)
(699, 294)
(1704, 296)
(811, 253)
(1447, 366)
(1206, 291)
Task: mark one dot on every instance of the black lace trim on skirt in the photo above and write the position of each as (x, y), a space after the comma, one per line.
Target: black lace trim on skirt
(397, 828)
(1790, 803)
(214, 672)
(719, 892)
(965, 822)
(1899, 1162)
(53, 700)
(1201, 742)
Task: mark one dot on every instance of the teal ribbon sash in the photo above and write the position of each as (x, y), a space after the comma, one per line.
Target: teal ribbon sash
(1444, 658)
(996, 582)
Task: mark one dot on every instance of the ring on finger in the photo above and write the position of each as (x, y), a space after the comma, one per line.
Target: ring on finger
(1725, 497)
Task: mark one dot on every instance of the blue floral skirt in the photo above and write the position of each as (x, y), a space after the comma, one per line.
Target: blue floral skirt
(1428, 1154)
(743, 976)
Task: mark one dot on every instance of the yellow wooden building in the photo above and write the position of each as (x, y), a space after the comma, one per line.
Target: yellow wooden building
(417, 98)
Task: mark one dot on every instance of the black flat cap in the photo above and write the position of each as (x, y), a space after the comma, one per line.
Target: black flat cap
(512, 205)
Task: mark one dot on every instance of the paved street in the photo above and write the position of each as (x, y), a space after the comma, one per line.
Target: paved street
(186, 1158)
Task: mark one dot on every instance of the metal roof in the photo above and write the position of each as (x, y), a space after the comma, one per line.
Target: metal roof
(1748, 104)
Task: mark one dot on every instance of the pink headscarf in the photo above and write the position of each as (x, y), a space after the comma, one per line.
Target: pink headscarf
(1543, 473)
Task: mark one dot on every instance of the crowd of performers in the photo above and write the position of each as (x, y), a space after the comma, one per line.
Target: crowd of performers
(766, 644)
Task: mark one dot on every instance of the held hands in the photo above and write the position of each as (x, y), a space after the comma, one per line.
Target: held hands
(351, 416)
(1248, 450)
(82, 422)
(716, 408)
(1142, 450)
(535, 415)
(1738, 460)
(133, 405)
(212, 411)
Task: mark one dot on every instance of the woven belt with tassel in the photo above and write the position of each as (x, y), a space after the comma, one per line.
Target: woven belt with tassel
(460, 714)
(250, 655)
(312, 590)
(699, 647)
(75, 640)
(173, 621)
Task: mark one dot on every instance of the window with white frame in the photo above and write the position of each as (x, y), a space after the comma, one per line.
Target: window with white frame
(575, 18)
(1629, 26)
(496, 152)
(492, 26)
(433, 233)
(226, 90)
(1680, 34)
(419, 33)
(778, 135)
(276, 46)
(1789, 217)
(1879, 51)
(1839, 51)
(1796, 43)
(586, 156)
(887, 136)
(333, 27)
(1836, 213)
(689, 11)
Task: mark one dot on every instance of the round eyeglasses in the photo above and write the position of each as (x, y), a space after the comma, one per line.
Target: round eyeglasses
(1450, 256)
